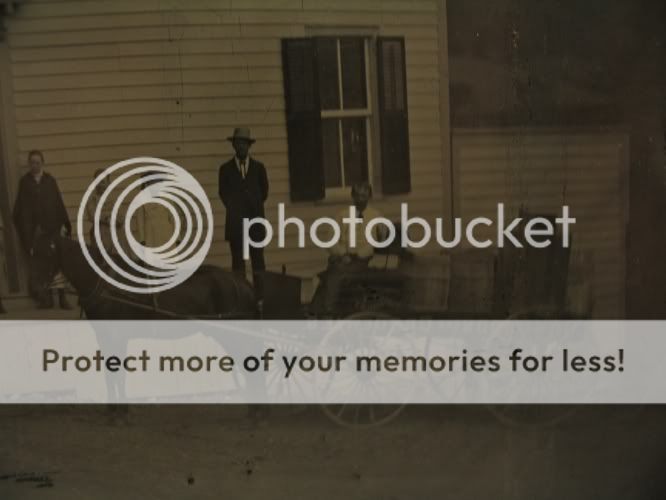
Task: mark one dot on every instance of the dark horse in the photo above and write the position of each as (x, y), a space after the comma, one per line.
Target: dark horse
(210, 293)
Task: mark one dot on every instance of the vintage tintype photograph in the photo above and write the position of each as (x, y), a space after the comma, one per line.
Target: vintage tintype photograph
(226, 161)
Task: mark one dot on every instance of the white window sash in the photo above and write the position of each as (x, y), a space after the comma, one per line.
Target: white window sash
(352, 113)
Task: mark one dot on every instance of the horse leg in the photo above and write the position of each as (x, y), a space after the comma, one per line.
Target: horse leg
(111, 343)
(240, 298)
(256, 387)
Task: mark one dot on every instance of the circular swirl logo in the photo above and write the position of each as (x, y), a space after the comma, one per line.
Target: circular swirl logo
(159, 197)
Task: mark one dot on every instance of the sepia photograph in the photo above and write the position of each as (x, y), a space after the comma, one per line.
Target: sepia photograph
(346, 249)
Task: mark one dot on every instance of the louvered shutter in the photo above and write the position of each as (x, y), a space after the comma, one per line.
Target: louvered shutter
(394, 129)
(306, 171)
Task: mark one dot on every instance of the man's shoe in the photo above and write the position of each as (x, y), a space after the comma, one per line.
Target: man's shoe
(62, 298)
(2, 309)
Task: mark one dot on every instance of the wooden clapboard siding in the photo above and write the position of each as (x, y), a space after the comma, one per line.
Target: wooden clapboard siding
(544, 170)
(100, 81)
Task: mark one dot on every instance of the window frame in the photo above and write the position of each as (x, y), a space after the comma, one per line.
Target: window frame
(370, 112)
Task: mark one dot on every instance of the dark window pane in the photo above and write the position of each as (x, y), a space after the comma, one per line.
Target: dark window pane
(332, 172)
(327, 63)
(355, 149)
(352, 57)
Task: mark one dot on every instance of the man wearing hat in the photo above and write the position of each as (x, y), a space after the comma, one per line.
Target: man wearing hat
(243, 188)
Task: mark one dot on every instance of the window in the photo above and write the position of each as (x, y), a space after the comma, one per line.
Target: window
(345, 100)
(329, 100)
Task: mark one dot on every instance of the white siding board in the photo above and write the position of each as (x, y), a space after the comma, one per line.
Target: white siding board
(138, 107)
(248, 21)
(144, 78)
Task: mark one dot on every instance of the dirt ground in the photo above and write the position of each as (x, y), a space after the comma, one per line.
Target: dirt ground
(427, 452)
(203, 452)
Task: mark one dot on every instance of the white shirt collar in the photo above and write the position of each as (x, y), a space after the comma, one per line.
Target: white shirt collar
(238, 162)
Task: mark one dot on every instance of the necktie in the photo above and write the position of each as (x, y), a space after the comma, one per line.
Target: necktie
(242, 168)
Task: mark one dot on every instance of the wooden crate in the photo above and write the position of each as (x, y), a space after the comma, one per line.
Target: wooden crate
(472, 288)
(427, 283)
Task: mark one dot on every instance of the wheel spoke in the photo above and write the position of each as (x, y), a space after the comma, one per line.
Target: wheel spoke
(341, 411)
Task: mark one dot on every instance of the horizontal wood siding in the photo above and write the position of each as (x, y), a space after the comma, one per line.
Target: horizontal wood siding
(100, 81)
(542, 171)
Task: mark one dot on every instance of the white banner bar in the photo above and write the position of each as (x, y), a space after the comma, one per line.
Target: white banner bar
(378, 362)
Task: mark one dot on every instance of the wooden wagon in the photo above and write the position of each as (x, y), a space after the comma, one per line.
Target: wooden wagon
(464, 284)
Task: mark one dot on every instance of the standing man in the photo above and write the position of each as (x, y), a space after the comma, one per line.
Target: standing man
(243, 188)
(39, 212)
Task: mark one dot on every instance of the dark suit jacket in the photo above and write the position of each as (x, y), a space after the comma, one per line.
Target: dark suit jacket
(39, 206)
(243, 198)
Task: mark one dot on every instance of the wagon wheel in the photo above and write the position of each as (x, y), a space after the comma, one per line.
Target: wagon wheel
(443, 387)
(362, 416)
(298, 387)
(626, 413)
(536, 415)
(531, 415)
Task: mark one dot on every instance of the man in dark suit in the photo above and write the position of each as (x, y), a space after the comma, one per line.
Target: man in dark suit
(40, 215)
(243, 188)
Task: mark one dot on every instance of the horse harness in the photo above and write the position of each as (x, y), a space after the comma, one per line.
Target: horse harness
(100, 292)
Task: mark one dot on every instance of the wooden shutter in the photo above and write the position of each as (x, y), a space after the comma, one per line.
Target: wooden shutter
(394, 129)
(301, 89)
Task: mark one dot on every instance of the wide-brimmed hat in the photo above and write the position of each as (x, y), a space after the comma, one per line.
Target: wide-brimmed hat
(243, 134)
